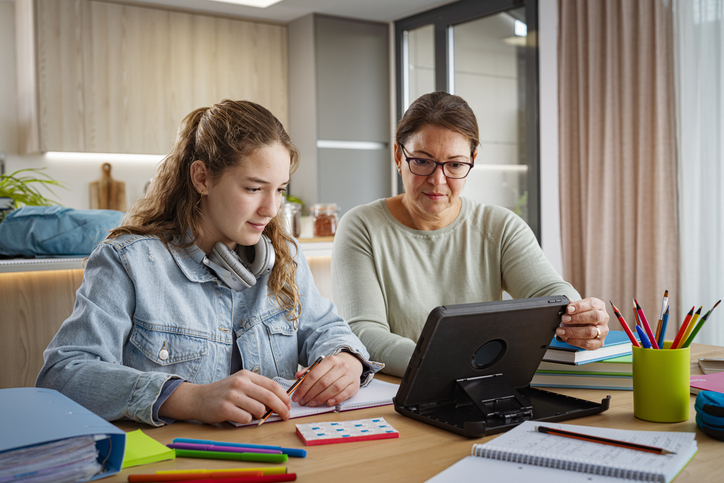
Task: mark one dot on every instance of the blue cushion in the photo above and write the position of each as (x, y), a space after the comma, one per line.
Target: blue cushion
(46, 231)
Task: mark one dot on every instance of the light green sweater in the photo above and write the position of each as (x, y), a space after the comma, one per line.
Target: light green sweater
(386, 277)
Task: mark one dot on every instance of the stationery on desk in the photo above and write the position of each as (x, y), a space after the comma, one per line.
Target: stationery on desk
(710, 365)
(293, 387)
(617, 343)
(65, 440)
(376, 393)
(707, 382)
(526, 454)
(235, 475)
(689, 329)
(313, 434)
(141, 449)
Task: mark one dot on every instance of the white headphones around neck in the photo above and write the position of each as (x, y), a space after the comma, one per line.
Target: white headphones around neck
(240, 268)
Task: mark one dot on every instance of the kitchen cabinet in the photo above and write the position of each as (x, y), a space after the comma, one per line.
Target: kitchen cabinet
(340, 110)
(97, 76)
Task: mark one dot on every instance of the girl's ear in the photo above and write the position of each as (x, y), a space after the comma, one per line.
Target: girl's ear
(199, 177)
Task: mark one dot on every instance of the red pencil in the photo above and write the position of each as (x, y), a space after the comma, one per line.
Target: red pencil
(625, 326)
(682, 330)
(646, 326)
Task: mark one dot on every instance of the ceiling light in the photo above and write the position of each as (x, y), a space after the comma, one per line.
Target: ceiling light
(251, 3)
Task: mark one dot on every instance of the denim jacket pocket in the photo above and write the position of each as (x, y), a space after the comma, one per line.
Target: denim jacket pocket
(283, 341)
(165, 349)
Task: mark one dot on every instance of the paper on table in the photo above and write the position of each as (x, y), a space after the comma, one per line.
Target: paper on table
(142, 449)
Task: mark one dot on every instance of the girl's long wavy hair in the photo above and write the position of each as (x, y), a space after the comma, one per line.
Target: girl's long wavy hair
(220, 136)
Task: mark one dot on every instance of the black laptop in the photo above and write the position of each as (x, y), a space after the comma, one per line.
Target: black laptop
(471, 370)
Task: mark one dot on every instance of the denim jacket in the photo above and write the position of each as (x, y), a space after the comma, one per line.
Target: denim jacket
(146, 314)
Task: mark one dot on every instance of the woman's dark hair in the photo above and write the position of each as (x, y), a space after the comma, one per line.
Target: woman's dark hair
(220, 136)
(439, 109)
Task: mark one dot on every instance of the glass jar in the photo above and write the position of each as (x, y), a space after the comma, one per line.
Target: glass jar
(324, 218)
(292, 218)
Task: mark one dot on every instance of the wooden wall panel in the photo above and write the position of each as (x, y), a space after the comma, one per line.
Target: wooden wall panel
(120, 78)
(60, 74)
(34, 305)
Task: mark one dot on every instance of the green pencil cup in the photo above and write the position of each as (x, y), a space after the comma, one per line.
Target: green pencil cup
(661, 384)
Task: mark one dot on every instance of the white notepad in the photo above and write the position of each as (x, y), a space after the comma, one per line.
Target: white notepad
(376, 393)
(524, 454)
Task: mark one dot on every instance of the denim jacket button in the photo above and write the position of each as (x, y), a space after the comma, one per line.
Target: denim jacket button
(163, 354)
(256, 370)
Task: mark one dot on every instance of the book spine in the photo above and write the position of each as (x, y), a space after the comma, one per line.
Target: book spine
(561, 464)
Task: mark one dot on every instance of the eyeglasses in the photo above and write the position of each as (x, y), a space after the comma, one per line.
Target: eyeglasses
(425, 167)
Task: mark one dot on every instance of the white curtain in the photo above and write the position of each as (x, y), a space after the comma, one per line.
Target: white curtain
(699, 61)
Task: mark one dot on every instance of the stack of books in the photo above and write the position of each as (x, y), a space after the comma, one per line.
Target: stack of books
(610, 367)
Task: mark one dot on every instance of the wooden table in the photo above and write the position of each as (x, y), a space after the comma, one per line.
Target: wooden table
(422, 451)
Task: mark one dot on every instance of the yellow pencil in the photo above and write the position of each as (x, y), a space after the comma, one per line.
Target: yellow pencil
(691, 326)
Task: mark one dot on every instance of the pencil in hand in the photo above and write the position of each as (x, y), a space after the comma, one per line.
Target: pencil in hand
(291, 389)
(601, 440)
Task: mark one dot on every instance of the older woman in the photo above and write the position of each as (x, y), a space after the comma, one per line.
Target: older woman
(396, 259)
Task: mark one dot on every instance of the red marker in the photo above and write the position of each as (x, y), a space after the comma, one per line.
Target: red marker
(646, 325)
(625, 326)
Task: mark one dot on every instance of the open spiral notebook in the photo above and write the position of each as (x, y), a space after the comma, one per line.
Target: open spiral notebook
(523, 454)
(376, 393)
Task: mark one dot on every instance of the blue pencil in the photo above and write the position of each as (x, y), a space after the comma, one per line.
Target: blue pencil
(644, 338)
(665, 321)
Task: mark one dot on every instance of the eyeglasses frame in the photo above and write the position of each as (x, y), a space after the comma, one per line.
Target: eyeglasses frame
(408, 158)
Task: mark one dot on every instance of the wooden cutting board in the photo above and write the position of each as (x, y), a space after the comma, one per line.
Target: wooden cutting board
(108, 193)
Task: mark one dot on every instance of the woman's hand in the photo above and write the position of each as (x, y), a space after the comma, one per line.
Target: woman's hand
(241, 397)
(585, 324)
(334, 380)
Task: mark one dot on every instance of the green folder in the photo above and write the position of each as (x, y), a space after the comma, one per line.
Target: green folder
(142, 450)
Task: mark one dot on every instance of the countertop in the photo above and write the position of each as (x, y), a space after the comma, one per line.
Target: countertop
(311, 247)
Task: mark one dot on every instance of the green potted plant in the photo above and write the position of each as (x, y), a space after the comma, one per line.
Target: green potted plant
(21, 188)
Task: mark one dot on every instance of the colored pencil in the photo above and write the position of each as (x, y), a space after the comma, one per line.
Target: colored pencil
(181, 478)
(226, 472)
(664, 305)
(599, 439)
(624, 325)
(221, 455)
(292, 388)
(296, 452)
(646, 325)
(636, 315)
(698, 327)
(689, 328)
(664, 323)
(191, 475)
(682, 329)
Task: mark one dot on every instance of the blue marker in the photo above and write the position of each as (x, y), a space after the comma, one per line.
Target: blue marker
(642, 336)
(299, 453)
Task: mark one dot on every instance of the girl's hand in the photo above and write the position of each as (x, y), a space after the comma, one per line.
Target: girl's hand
(241, 397)
(334, 380)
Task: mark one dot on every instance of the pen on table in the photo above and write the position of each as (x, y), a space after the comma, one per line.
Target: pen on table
(690, 327)
(664, 304)
(222, 455)
(664, 323)
(646, 325)
(180, 478)
(698, 327)
(298, 453)
(192, 475)
(267, 470)
(292, 388)
(644, 338)
(599, 439)
(229, 449)
(624, 325)
(682, 329)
